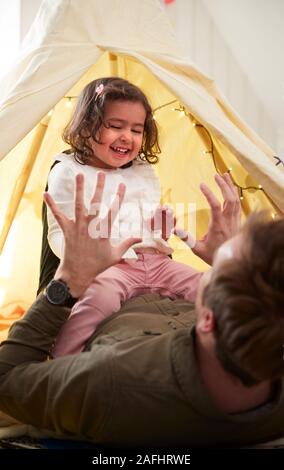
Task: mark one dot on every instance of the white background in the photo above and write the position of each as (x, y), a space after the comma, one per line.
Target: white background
(239, 43)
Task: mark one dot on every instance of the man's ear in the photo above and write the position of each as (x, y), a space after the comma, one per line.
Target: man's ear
(206, 321)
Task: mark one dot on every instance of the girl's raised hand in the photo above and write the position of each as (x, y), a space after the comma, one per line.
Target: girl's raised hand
(163, 221)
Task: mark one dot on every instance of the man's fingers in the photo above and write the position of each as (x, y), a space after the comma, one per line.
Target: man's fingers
(226, 189)
(98, 194)
(232, 204)
(229, 192)
(113, 211)
(235, 192)
(211, 198)
(126, 244)
(59, 216)
(231, 184)
(233, 187)
(120, 195)
(80, 209)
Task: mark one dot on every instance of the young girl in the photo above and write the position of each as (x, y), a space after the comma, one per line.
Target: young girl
(113, 129)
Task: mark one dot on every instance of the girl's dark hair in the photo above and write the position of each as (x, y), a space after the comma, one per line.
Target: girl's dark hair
(89, 114)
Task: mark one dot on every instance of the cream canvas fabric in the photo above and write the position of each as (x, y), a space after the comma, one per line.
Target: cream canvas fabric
(72, 43)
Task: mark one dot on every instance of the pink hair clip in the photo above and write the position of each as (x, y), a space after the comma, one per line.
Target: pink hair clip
(99, 90)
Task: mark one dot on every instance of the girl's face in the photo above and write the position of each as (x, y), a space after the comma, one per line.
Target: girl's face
(121, 135)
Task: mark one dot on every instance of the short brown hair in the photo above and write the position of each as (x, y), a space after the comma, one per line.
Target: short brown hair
(89, 114)
(246, 295)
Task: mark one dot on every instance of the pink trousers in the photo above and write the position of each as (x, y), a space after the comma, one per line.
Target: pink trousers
(150, 273)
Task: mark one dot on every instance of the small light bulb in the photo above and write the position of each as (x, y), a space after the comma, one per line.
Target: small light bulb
(273, 215)
(259, 186)
(241, 198)
(50, 112)
(230, 169)
(154, 117)
(69, 102)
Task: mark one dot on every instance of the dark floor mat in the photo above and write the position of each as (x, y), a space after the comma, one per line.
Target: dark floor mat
(32, 443)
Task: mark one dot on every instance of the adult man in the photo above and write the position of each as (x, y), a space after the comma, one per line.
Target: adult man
(148, 377)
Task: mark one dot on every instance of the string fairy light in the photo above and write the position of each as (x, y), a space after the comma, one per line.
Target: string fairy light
(161, 107)
(181, 109)
(68, 102)
(183, 112)
(211, 152)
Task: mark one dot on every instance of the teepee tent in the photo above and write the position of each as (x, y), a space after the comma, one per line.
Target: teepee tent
(72, 43)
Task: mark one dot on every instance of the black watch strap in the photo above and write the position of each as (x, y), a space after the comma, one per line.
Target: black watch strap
(57, 293)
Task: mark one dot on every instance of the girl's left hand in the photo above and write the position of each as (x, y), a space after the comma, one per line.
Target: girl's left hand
(164, 220)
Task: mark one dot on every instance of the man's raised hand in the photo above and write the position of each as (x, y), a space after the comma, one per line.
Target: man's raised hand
(86, 256)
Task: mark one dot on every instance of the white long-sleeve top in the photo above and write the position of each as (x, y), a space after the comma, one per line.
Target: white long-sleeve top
(142, 197)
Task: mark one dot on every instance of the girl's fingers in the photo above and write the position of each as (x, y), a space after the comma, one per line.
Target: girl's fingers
(188, 239)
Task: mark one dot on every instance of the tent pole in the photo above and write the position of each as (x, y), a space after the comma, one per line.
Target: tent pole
(21, 183)
(117, 66)
(113, 64)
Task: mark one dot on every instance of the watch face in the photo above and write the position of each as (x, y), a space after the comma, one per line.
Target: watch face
(57, 292)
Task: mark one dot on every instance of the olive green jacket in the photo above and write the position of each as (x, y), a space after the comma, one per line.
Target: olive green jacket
(137, 384)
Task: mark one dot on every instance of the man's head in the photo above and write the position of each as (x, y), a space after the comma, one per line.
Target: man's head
(241, 303)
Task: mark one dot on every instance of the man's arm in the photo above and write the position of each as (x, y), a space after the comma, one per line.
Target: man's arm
(53, 394)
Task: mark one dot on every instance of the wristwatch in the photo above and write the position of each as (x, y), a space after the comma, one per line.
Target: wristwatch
(57, 293)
